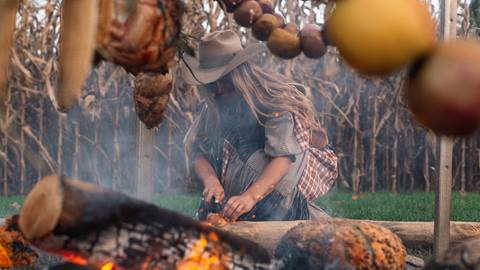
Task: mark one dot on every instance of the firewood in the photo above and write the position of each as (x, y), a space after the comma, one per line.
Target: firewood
(95, 225)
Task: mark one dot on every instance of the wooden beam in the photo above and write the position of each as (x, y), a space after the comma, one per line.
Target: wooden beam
(413, 234)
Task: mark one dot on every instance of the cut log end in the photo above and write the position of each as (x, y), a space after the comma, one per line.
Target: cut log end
(42, 208)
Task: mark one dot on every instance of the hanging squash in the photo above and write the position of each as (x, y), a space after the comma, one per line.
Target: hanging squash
(140, 35)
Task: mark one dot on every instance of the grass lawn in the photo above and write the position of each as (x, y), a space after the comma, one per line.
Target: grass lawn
(418, 206)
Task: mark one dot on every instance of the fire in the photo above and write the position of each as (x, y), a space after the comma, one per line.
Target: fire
(73, 258)
(5, 261)
(203, 257)
(108, 266)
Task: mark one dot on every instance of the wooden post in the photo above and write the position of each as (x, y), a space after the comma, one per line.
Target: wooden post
(145, 184)
(444, 185)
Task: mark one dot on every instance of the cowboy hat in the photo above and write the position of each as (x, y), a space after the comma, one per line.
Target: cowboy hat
(218, 53)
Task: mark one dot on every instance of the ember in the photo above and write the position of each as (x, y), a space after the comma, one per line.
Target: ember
(108, 266)
(201, 257)
(73, 258)
(5, 261)
(14, 250)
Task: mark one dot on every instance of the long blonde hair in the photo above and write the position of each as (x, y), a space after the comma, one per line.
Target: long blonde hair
(267, 93)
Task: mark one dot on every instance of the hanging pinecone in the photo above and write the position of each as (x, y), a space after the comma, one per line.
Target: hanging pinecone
(151, 97)
(139, 35)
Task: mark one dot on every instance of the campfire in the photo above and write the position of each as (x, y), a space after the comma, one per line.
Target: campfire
(99, 228)
(93, 228)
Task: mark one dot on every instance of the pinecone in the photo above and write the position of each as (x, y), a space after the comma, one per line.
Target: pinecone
(151, 97)
(139, 35)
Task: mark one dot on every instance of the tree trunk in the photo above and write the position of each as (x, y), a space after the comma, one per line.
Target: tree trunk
(463, 179)
(395, 157)
(373, 147)
(426, 168)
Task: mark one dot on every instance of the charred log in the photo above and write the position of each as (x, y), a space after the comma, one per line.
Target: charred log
(92, 225)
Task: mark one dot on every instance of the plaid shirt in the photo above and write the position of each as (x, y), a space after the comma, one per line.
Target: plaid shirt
(320, 171)
(321, 166)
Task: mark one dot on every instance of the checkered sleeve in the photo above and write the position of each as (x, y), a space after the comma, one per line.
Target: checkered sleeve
(320, 170)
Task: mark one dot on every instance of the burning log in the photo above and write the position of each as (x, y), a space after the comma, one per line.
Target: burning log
(87, 224)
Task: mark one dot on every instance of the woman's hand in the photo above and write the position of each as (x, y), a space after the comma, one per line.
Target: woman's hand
(238, 205)
(213, 189)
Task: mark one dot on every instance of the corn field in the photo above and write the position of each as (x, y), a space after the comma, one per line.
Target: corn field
(379, 145)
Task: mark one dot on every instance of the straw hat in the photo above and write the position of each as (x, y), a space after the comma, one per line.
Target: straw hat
(219, 53)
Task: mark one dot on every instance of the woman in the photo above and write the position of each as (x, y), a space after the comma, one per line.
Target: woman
(252, 148)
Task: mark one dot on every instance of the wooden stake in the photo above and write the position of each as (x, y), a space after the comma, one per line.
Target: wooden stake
(145, 184)
(443, 188)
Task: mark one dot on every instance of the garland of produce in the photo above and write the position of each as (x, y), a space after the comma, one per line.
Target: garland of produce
(443, 86)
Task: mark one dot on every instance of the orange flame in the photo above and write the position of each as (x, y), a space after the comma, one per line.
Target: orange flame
(5, 261)
(108, 266)
(73, 258)
(199, 258)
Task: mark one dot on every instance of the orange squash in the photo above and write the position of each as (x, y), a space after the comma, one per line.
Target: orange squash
(341, 245)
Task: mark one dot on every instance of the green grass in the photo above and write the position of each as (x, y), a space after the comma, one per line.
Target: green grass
(5, 205)
(181, 203)
(418, 206)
